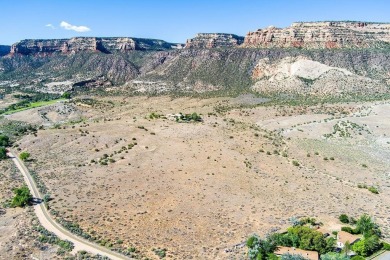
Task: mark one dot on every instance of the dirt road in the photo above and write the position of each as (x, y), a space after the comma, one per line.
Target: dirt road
(49, 223)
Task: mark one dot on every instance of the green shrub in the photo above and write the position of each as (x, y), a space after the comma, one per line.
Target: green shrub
(161, 253)
(295, 163)
(350, 230)
(362, 186)
(24, 156)
(66, 95)
(3, 153)
(357, 257)
(154, 116)
(272, 256)
(344, 218)
(4, 141)
(385, 246)
(334, 256)
(373, 190)
(288, 256)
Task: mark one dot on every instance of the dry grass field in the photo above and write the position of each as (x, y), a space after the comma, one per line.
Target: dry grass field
(198, 189)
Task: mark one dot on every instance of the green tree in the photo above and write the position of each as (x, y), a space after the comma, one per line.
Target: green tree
(3, 153)
(4, 140)
(367, 227)
(385, 246)
(347, 248)
(358, 257)
(367, 246)
(260, 249)
(66, 95)
(334, 256)
(22, 197)
(330, 244)
(373, 244)
(310, 239)
(24, 156)
(195, 117)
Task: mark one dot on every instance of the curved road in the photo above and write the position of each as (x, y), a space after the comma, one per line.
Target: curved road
(49, 223)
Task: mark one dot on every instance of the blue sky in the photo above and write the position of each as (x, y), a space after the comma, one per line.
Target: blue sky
(170, 20)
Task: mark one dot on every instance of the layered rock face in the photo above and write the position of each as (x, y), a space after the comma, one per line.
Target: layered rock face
(321, 35)
(214, 40)
(79, 44)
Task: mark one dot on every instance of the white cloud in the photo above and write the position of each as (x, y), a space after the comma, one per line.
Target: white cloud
(50, 26)
(68, 26)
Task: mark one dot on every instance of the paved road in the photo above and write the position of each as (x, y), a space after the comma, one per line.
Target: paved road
(49, 223)
(383, 256)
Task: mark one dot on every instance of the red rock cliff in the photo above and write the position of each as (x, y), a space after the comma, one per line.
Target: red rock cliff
(321, 35)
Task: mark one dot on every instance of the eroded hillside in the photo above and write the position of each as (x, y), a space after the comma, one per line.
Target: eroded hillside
(201, 70)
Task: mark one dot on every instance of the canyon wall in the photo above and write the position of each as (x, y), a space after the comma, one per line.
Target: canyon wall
(79, 44)
(214, 40)
(321, 35)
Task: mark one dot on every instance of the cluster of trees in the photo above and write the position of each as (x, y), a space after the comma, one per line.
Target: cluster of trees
(4, 142)
(302, 236)
(26, 100)
(22, 197)
(367, 246)
(260, 249)
(305, 238)
(370, 231)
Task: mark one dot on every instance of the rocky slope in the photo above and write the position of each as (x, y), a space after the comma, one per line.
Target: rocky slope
(81, 44)
(214, 40)
(213, 62)
(321, 35)
(199, 70)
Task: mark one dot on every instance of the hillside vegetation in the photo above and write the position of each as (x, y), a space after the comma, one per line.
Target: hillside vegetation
(196, 70)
